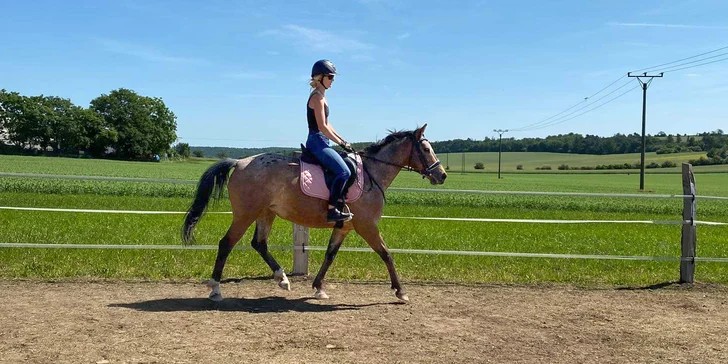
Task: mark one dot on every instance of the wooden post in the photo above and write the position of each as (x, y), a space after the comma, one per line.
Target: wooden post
(300, 254)
(689, 236)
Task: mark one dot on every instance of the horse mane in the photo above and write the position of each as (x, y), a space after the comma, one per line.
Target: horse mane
(391, 138)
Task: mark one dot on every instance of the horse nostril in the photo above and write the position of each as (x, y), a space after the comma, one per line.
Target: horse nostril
(444, 175)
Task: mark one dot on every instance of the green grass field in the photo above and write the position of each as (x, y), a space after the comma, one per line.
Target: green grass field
(509, 162)
(604, 239)
(192, 169)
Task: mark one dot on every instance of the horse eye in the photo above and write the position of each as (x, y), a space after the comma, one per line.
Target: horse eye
(427, 150)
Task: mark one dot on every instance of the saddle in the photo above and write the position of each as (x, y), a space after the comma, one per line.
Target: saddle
(316, 179)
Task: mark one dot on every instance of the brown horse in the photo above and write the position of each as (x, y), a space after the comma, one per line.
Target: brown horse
(264, 186)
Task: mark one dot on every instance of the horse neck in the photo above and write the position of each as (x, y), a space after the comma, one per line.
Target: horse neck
(393, 153)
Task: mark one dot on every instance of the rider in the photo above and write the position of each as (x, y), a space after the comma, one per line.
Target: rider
(320, 132)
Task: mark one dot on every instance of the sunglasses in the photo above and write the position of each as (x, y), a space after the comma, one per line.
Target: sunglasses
(330, 77)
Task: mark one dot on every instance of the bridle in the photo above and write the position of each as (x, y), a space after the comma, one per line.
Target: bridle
(416, 145)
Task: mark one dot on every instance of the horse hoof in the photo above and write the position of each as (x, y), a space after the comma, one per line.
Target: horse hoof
(280, 277)
(285, 285)
(320, 295)
(215, 297)
(402, 297)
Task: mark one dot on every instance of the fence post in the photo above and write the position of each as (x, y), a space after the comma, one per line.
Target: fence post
(300, 253)
(689, 236)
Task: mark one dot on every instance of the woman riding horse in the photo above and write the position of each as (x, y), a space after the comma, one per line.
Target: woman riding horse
(320, 131)
(266, 186)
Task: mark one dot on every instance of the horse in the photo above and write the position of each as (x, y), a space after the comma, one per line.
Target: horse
(266, 186)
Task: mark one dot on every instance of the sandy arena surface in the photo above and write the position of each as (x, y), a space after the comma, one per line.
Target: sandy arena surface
(162, 322)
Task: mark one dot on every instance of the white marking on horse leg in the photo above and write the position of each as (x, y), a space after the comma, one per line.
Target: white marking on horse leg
(402, 296)
(215, 295)
(320, 295)
(280, 277)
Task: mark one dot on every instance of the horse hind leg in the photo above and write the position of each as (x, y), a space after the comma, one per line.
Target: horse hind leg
(227, 243)
(260, 244)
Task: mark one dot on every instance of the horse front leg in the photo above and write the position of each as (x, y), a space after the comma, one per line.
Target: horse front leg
(371, 235)
(337, 238)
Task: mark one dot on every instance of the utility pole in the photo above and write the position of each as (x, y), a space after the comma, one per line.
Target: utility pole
(644, 113)
(500, 148)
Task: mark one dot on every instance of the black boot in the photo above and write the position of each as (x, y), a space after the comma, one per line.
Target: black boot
(335, 215)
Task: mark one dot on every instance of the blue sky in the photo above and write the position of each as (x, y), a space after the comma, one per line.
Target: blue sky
(235, 72)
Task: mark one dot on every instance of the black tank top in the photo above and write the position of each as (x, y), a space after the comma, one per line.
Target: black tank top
(311, 116)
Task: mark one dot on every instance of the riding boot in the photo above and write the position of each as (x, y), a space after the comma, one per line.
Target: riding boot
(340, 212)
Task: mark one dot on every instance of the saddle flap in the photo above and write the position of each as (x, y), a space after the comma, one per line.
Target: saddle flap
(313, 180)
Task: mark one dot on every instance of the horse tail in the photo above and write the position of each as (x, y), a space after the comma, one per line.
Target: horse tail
(212, 184)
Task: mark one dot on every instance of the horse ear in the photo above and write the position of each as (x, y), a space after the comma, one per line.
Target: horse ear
(420, 132)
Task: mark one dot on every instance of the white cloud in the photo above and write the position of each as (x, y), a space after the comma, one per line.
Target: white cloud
(403, 36)
(659, 25)
(320, 40)
(143, 52)
(362, 58)
(262, 75)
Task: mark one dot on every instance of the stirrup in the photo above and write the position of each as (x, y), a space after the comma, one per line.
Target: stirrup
(334, 215)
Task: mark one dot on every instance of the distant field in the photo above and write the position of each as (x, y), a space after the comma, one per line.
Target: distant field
(530, 161)
(192, 169)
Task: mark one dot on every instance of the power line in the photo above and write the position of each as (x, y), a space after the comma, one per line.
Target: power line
(675, 66)
(680, 60)
(691, 62)
(560, 119)
(571, 107)
(697, 65)
(592, 109)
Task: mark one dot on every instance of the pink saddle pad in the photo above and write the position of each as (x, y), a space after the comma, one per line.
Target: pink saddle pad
(313, 183)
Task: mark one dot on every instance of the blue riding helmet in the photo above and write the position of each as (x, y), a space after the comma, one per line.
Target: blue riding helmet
(323, 67)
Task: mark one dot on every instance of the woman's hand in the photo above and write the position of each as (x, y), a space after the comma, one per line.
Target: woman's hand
(346, 146)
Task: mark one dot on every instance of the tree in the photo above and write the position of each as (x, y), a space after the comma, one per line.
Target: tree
(96, 136)
(182, 149)
(12, 105)
(144, 125)
(198, 153)
(222, 155)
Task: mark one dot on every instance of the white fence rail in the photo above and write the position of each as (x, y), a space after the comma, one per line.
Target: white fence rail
(301, 245)
(688, 240)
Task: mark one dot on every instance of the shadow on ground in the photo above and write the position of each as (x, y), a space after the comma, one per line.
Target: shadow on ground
(270, 304)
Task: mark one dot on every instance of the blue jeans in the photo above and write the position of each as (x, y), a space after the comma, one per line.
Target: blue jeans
(318, 145)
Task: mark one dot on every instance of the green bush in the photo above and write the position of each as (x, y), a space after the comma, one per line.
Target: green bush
(563, 167)
(479, 165)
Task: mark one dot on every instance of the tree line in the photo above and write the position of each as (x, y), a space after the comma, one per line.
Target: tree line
(591, 144)
(126, 125)
(121, 124)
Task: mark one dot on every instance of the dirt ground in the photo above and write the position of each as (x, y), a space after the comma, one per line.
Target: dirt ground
(161, 322)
